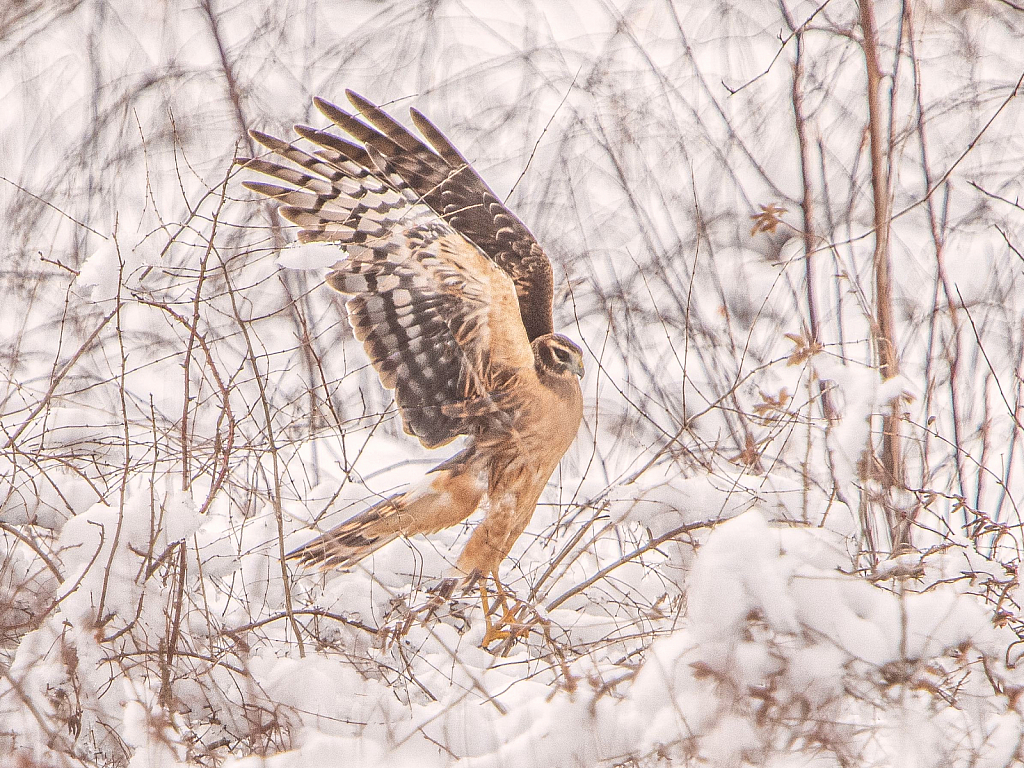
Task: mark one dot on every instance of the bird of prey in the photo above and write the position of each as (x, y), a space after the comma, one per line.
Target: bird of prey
(451, 296)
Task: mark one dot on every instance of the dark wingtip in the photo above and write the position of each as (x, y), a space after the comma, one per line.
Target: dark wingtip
(359, 102)
(437, 139)
(268, 141)
(312, 134)
(331, 111)
(422, 123)
(272, 191)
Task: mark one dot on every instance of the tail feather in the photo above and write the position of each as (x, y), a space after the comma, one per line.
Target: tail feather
(446, 496)
(356, 538)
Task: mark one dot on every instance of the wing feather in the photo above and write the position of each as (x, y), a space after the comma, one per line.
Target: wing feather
(443, 179)
(439, 320)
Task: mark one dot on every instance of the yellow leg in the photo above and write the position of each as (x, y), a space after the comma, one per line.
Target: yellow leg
(491, 630)
(505, 627)
(502, 595)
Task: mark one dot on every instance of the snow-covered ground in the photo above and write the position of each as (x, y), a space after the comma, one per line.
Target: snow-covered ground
(710, 576)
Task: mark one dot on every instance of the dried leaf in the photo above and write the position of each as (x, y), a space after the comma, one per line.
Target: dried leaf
(806, 348)
(773, 405)
(768, 219)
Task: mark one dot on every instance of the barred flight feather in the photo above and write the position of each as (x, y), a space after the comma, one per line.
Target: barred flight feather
(450, 295)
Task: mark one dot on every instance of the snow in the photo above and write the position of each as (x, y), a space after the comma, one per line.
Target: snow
(709, 577)
(309, 256)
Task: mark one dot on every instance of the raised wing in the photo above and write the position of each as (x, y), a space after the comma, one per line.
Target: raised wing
(446, 182)
(439, 321)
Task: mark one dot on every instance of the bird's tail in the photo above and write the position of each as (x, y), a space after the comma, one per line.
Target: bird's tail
(446, 496)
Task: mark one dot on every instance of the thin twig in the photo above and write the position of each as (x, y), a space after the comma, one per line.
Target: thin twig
(626, 558)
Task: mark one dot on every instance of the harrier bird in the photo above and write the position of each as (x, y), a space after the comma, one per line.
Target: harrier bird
(451, 296)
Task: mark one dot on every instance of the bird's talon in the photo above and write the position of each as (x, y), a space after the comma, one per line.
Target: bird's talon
(511, 626)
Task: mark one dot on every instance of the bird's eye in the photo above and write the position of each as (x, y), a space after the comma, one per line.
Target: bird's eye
(562, 355)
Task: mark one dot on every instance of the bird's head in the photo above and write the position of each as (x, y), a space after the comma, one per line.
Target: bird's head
(558, 355)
